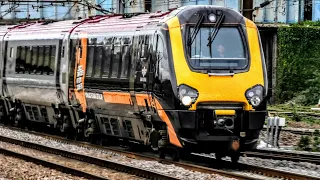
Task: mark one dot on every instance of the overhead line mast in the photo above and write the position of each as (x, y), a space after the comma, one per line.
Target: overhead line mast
(247, 9)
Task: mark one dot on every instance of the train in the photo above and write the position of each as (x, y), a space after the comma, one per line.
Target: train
(189, 80)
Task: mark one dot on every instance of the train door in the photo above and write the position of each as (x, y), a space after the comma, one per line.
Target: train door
(142, 63)
(80, 70)
(64, 67)
(152, 56)
(139, 83)
(1, 64)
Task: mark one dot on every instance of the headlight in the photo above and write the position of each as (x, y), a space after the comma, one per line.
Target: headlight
(255, 101)
(186, 100)
(255, 95)
(212, 18)
(187, 95)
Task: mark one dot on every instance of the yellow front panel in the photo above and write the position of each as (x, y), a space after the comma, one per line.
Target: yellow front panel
(214, 88)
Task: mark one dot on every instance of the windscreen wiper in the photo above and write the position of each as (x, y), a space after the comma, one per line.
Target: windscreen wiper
(216, 29)
(195, 30)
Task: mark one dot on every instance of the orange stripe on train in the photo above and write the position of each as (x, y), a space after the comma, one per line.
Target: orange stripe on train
(164, 117)
(117, 97)
(81, 62)
(125, 98)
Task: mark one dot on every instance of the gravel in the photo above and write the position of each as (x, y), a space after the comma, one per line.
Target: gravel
(305, 168)
(85, 167)
(295, 167)
(286, 138)
(302, 125)
(170, 170)
(13, 168)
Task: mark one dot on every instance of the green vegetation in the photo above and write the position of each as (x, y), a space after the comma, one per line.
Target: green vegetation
(307, 23)
(316, 144)
(289, 107)
(294, 118)
(298, 73)
(306, 143)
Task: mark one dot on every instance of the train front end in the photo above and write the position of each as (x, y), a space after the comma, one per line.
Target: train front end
(220, 79)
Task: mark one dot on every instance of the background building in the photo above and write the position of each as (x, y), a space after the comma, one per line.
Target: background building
(73, 9)
(276, 11)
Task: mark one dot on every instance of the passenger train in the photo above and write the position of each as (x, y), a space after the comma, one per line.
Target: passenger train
(192, 79)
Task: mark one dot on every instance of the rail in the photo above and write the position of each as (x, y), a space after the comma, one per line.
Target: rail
(313, 114)
(49, 164)
(195, 162)
(89, 159)
(269, 172)
(284, 155)
(309, 132)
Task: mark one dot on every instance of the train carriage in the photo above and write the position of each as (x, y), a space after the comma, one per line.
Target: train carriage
(192, 79)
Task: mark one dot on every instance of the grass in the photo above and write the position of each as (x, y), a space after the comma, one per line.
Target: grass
(290, 108)
(295, 119)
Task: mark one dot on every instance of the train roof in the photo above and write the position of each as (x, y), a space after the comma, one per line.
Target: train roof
(4, 30)
(97, 24)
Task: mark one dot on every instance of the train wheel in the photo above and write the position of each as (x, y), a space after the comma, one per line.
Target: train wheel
(162, 153)
(102, 141)
(70, 133)
(2, 112)
(30, 126)
(78, 136)
(94, 139)
(175, 155)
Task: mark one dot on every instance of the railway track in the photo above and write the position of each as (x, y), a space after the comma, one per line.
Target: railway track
(296, 131)
(310, 132)
(83, 158)
(195, 162)
(108, 164)
(313, 114)
(267, 172)
(50, 164)
(284, 155)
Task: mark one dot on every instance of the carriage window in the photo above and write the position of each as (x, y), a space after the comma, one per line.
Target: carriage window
(28, 58)
(116, 57)
(52, 59)
(115, 61)
(107, 50)
(22, 50)
(107, 58)
(47, 58)
(90, 58)
(11, 51)
(34, 58)
(40, 59)
(125, 57)
(19, 60)
(160, 51)
(100, 40)
(73, 57)
(146, 46)
(163, 68)
(141, 45)
(98, 60)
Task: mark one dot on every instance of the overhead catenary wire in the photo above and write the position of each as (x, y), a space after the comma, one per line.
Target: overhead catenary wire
(128, 4)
